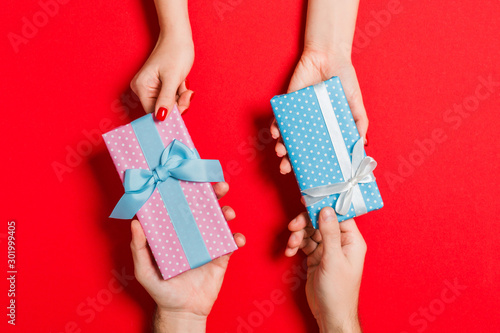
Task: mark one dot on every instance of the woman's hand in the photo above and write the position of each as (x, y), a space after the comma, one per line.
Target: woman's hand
(314, 67)
(183, 301)
(327, 51)
(162, 82)
(335, 258)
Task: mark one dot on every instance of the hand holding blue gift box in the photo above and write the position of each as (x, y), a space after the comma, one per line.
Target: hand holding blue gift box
(326, 151)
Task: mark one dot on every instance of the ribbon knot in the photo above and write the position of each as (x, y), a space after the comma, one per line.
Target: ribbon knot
(353, 182)
(361, 172)
(155, 174)
(161, 172)
(177, 161)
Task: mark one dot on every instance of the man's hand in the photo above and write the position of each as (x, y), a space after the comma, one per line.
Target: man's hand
(335, 258)
(184, 301)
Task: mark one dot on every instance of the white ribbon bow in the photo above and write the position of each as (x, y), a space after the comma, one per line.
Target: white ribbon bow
(361, 172)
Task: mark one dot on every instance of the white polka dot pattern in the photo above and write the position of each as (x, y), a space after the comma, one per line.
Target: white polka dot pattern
(200, 196)
(309, 146)
(163, 241)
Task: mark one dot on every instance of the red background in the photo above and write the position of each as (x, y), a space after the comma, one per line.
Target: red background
(439, 223)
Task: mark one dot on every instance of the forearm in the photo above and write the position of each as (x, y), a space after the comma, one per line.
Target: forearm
(173, 17)
(351, 327)
(340, 322)
(178, 322)
(330, 26)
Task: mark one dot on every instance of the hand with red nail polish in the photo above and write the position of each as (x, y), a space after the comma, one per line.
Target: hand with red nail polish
(161, 114)
(161, 82)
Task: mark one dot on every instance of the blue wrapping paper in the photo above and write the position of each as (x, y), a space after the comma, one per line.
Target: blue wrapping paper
(308, 140)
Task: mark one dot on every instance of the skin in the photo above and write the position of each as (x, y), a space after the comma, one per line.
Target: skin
(335, 257)
(184, 301)
(327, 52)
(161, 82)
(335, 251)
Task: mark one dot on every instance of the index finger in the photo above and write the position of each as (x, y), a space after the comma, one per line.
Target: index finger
(275, 131)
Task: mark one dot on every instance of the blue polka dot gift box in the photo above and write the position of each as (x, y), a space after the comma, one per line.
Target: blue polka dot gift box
(326, 151)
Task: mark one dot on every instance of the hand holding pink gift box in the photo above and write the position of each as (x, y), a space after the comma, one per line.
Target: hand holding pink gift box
(167, 187)
(184, 301)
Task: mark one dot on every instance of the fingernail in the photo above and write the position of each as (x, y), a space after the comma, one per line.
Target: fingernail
(191, 98)
(366, 139)
(162, 113)
(186, 81)
(328, 214)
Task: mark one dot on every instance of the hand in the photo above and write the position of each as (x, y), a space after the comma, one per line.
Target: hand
(162, 82)
(335, 258)
(314, 67)
(183, 301)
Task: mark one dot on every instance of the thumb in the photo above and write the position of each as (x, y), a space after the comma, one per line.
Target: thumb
(166, 99)
(299, 80)
(143, 264)
(330, 231)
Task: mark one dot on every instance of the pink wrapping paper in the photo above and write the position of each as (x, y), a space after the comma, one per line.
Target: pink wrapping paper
(160, 233)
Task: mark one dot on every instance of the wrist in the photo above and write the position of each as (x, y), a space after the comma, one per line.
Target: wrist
(350, 328)
(330, 26)
(177, 321)
(173, 18)
(333, 325)
(178, 38)
(180, 33)
(334, 56)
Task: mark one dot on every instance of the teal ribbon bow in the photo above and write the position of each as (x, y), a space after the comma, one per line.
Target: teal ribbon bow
(177, 161)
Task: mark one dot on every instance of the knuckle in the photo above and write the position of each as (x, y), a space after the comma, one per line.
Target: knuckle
(138, 83)
(138, 275)
(134, 84)
(363, 245)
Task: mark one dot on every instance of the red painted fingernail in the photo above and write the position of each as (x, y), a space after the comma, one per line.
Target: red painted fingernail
(366, 139)
(191, 98)
(186, 81)
(161, 114)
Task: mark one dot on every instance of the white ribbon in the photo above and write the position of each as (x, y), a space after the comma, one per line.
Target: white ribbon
(355, 172)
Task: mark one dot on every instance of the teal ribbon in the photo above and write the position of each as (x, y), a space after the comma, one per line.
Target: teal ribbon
(177, 161)
(166, 167)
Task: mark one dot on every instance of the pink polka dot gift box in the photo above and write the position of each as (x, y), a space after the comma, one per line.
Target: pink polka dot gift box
(326, 152)
(167, 185)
